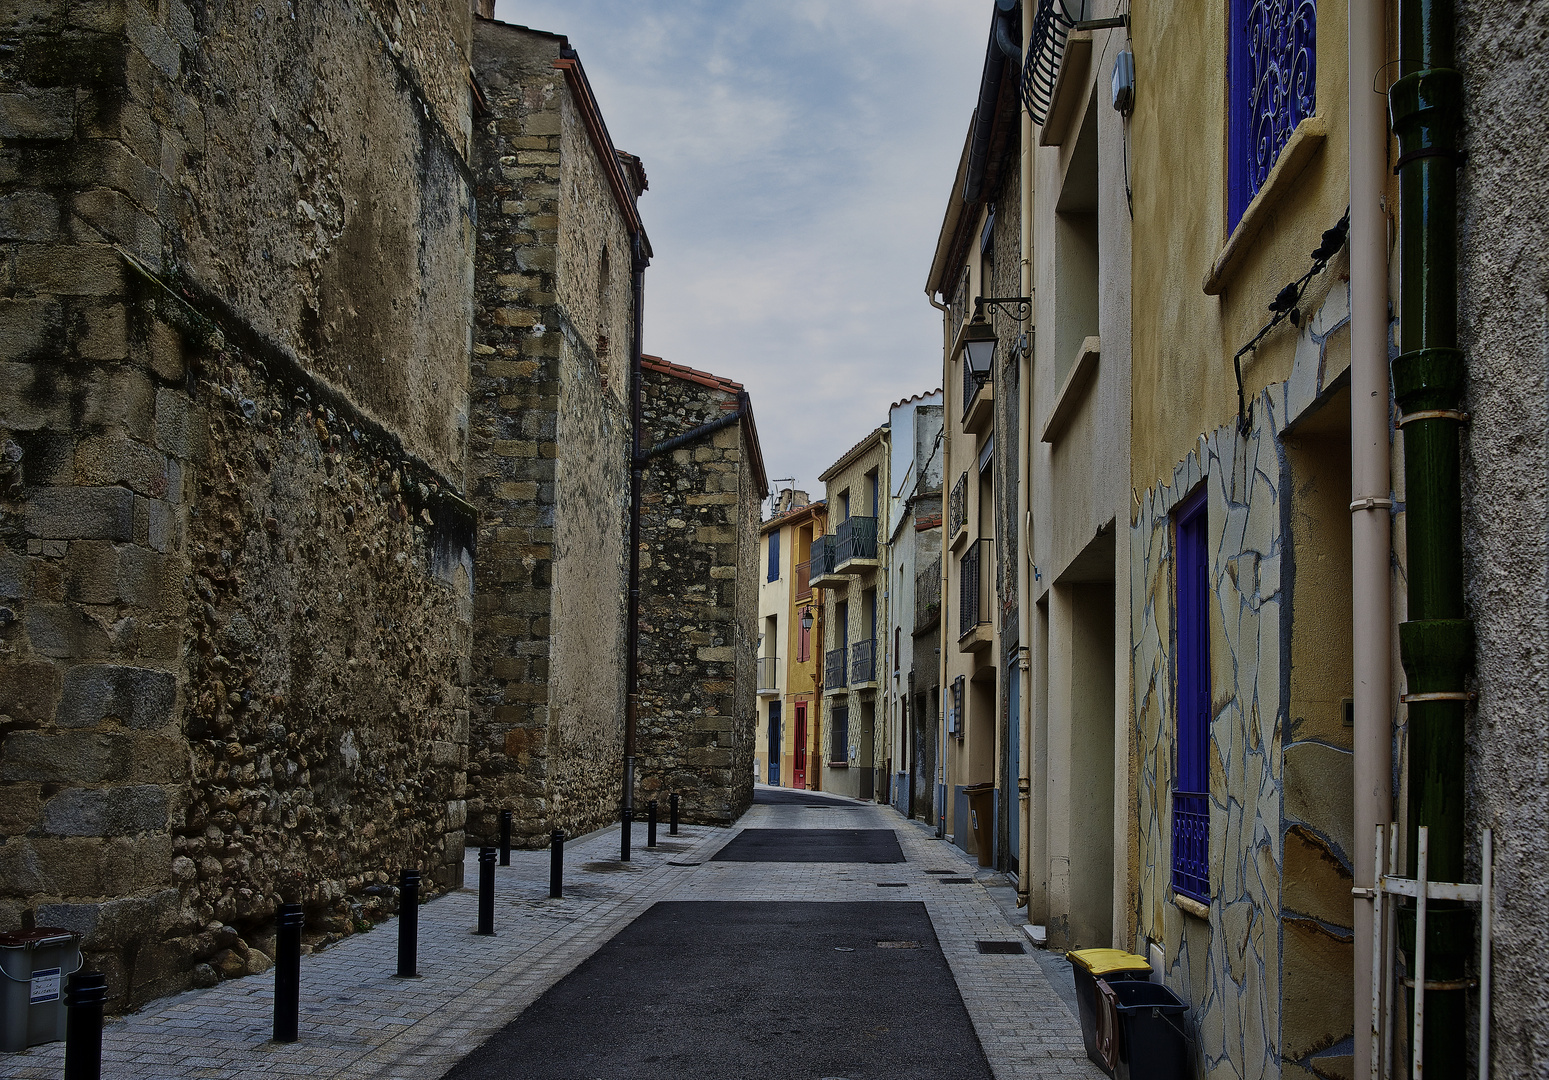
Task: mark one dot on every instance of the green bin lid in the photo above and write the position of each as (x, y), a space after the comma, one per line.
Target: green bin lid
(1107, 961)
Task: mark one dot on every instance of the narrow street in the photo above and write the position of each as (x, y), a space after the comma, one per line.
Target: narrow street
(819, 937)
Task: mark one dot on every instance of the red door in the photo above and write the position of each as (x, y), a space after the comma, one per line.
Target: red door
(799, 780)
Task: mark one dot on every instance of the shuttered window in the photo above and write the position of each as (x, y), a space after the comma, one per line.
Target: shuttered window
(1191, 681)
(774, 556)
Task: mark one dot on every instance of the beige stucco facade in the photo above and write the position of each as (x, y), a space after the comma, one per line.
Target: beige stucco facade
(789, 695)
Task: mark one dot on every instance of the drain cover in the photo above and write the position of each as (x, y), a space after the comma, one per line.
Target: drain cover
(941, 871)
(955, 880)
(682, 864)
(899, 945)
(892, 884)
(1013, 948)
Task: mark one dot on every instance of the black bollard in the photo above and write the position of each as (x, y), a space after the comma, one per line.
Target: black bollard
(505, 838)
(287, 972)
(85, 992)
(626, 829)
(486, 892)
(672, 808)
(556, 864)
(408, 924)
(650, 830)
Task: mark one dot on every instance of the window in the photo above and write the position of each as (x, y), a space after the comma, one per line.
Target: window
(1191, 682)
(955, 709)
(774, 556)
(839, 732)
(844, 505)
(1271, 87)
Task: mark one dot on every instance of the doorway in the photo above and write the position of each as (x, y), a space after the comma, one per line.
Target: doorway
(868, 752)
(774, 743)
(799, 771)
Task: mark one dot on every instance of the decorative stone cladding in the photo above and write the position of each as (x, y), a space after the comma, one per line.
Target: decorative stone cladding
(1269, 972)
(1503, 310)
(699, 598)
(235, 575)
(549, 455)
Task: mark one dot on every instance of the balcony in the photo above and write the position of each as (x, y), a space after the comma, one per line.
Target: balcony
(768, 676)
(957, 513)
(803, 581)
(855, 543)
(978, 402)
(834, 669)
(863, 665)
(975, 571)
(821, 565)
(927, 599)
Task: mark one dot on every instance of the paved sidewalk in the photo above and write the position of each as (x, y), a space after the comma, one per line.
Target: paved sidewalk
(358, 1021)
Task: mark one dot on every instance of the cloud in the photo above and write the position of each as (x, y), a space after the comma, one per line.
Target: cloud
(801, 155)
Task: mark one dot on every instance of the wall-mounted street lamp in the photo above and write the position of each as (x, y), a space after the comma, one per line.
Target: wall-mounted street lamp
(806, 620)
(978, 339)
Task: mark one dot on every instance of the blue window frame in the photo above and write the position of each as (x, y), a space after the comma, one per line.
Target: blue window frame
(1191, 682)
(774, 556)
(1271, 87)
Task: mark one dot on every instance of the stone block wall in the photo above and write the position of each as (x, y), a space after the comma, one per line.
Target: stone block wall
(234, 570)
(699, 599)
(550, 447)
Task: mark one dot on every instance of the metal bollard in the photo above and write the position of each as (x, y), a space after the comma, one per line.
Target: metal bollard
(486, 892)
(287, 972)
(557, 864)
(672, 808)
(505, 838)
(408, 924)
(85, 993)
(650, 831)
(626, 831)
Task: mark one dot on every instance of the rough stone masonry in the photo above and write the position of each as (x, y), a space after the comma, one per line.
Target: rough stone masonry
(235, 569)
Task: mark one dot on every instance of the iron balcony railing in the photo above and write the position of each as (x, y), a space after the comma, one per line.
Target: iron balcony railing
(804, 580)
(958, 510)
(834, 668)
(768, 673)
(973, 586)
(855, 538)
(971, 386)
(822, 560)
(863, 661)
(927, 598)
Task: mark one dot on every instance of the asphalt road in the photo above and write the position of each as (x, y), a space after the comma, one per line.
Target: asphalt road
(812, 845)
(792, 797)
(716, 990)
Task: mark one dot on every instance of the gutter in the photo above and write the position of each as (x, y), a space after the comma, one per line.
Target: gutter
(999, 51)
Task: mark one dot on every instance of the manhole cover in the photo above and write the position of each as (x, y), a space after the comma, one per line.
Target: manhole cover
(899, 945)
(1012, 948)
(892, 884)
(955, 880)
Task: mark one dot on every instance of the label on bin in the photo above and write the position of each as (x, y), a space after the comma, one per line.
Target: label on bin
(45, 986)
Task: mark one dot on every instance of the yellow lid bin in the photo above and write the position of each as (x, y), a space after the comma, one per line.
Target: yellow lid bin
(1104, 962)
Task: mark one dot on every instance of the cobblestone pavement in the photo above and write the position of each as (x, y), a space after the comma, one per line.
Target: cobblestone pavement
(358, 1021)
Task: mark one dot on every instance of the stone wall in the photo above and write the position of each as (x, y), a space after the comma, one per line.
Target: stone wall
(235, 573)
(1268, 969)
(1504, 329)
(549, 453)
(699, 600)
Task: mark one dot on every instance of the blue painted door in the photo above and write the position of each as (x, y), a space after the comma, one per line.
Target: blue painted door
(774, 743)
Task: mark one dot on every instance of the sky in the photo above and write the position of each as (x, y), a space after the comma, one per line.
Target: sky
(800, 155)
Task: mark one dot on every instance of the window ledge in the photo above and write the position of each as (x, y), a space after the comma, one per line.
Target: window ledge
(838, 764)
(1299, 150)
(1081, 375)
(1070, 86)
(1190, 906)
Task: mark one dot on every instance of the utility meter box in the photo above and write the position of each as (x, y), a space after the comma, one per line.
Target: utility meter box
(33, 967)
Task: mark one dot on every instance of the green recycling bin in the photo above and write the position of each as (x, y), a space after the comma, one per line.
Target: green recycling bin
(33, 967)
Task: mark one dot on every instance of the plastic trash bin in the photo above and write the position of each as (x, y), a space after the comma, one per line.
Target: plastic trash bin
(1112, 965)
(33, 967)
(981, 812)
(1151, 1042)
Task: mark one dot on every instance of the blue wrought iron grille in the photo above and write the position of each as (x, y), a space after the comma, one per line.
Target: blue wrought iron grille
(1272, 87)
(1191, 845)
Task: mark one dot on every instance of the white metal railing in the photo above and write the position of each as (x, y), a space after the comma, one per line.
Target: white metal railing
(1384, 946)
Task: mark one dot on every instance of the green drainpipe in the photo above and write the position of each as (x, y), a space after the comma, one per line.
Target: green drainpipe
(1437, 642)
